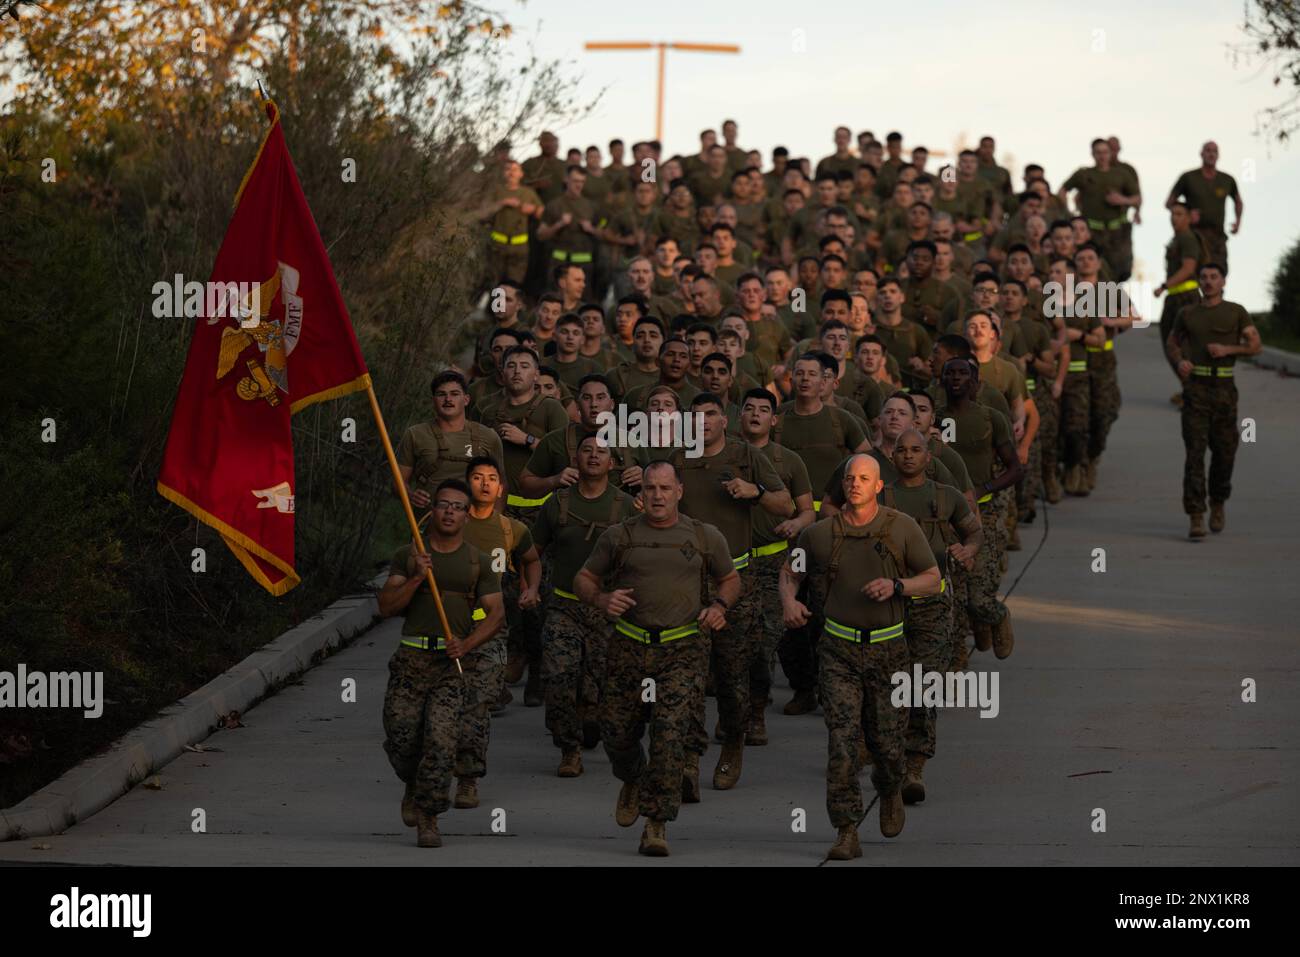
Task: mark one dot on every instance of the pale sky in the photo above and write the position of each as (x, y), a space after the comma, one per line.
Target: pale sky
(940, 71)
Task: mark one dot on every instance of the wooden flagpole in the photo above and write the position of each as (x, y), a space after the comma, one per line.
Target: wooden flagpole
(410, 515)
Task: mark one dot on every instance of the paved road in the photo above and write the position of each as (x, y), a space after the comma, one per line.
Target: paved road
(1124, 693)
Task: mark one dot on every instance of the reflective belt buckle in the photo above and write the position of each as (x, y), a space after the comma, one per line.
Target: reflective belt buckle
(764, 550)
(740, 561)
(654, 636)
(857, 635)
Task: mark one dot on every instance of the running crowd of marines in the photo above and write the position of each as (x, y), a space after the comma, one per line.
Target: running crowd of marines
(858, 379)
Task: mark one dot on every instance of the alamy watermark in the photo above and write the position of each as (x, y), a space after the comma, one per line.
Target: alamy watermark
(950, 689)
(59, 689)
(634, 429)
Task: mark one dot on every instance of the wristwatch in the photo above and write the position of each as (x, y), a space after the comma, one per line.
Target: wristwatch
(529, 441)
(898, 588)
(762, 490)
(719, 601)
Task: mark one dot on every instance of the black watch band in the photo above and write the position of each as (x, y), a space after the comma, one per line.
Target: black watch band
(718, 601)
(898, 588)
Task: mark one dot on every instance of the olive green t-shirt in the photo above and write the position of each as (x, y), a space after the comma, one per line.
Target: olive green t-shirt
(571, 373)
(860, 562)
(987, 395)
(903, 342)
(769, 340)
(1005, 377)
(813, 439)
(1199, 325)
(1086, 324)
(704, 497)
(1038, 339)
(794, 476)
(1208, 196)
(664, 567)
(419, 451)
(460, 593)
(1182, 246)
(571, 543)
(536, 417)
(930, 303)
(953, 462)
(508, 219)
(1093, 185)
(625, 377)
(489, 534)
(571, 238)
(551, 455)
(979, 432)
(923, 504)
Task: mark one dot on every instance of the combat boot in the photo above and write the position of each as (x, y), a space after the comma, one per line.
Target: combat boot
(691, 779)
(534, 693)
(654, 840)
(515, 665)
(1090, 475)
(1198, 525)
(466, 793)
(570, 765)
(913, 784)
(1052, 487)
(846, 846)
(757, 734)
(803, 702)
(628, 808)
(1216, 517)
(1003, 639)
(727, 773)
(427, 834)
(892, 815)
(983, 635)
(410, 816)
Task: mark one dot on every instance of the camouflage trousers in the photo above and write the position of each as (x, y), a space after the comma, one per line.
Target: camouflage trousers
(1049, 428)
(733, 651)
(1167, 314)
(1031, 479)
(767, 584)
(983, 580)
(1209, 422)
(678, 670)
(929, 643)
(483, 676)
(1104, 400)
(526, 624)
(1117, 246)
(856, 687)
(1075, 418)
(961, 627)
(573, 665)
(507, 262)
(422, 707)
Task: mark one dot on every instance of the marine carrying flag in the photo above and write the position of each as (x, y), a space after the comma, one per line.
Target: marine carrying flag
(268, 347)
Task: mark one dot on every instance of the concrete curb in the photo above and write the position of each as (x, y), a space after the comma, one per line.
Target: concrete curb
(1270, 357)
(95, 783)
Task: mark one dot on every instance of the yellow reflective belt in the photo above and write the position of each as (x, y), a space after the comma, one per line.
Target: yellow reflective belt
(764, 550)
(1221, 372)
(833, 627)
(637, 633)
(518, 501)
(986, 498)
(1108, 225)
(1031, 385)
(479, 614)
(1078, 365)
(817, 505)
(972, 237)
(563, 255)
(565, 594)
(740, 561)
(422, 642)
(1183, 287)
(1108, 347)
(502, 238)
(943, 587)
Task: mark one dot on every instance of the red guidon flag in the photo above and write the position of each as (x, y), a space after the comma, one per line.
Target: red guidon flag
(270, 345)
